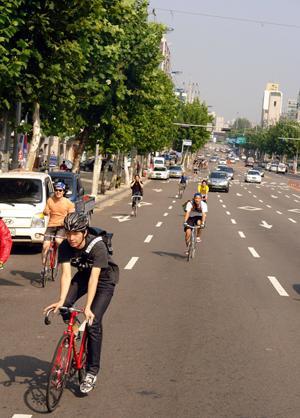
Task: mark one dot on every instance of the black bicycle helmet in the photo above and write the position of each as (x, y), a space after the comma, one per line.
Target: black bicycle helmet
(76, 222)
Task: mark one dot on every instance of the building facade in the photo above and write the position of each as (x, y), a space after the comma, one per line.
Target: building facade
(272, 105)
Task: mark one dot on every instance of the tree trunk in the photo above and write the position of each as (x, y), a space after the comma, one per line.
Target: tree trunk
(114, 172)
(36, 136)
(126, 170)
(83, 139)
(96, 171)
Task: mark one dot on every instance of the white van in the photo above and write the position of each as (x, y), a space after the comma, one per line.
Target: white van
(23, 197)
(158, 162)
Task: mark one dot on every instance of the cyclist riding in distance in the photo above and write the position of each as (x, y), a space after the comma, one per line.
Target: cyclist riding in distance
(137, 187)
(5, 243)
(97, 276)
(194, 216)
(57, 208)
(203, 189)
(183, 179)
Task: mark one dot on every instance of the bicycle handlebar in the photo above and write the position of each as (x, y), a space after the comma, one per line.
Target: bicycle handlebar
(192, 227)
(50, 235)
(63, 309)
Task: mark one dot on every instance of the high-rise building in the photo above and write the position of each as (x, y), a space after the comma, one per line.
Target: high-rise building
(292, 109)
(272, 105)
(165, 50)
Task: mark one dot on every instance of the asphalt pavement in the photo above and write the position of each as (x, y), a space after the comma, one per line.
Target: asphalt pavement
(213, 338)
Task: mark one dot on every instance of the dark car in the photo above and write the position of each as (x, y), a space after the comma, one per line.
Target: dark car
(218, 180)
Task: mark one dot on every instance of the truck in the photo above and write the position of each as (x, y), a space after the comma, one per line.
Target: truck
(75, 191)
(23, 197)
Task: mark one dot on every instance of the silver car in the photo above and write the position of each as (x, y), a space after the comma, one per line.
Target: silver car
(175, 171)
(218, 180)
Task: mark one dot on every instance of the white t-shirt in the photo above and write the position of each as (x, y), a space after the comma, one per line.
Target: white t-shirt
(189, 208)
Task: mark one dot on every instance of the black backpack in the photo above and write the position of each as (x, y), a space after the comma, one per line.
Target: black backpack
(105, 236)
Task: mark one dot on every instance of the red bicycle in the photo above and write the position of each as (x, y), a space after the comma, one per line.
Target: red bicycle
(50, 269)
(69, 356)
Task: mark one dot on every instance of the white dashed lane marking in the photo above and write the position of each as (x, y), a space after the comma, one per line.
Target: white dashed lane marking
(277, 286)
(158, 224)
(261, 201)
(292, 220)
(173, 201)
(166, 214)
(21, 416)
(228, 213)
(131, 263)
(278, 211)
(274, 197)
(224, 206)
(233, 221)
(254, 195)
(287, 196)
(269, 206)
(278, 191)
(221, 200)
(148, 239)
(170, 207)
(241, 234)
(253, 252)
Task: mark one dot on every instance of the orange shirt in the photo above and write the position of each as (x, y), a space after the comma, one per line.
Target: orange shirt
(58, 209)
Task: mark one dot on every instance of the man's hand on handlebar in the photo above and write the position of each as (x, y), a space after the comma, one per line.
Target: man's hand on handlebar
(55, 306)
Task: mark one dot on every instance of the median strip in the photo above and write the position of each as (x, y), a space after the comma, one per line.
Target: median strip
(131, 263)
(277, 286)
(253, 252)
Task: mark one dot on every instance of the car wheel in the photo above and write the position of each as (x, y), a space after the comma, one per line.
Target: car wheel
(227, 190)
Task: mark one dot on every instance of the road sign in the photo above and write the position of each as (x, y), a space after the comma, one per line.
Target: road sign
(187, 142)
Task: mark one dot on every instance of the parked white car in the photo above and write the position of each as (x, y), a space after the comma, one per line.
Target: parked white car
(222, 161)
(274, 167)
(282, 168)
(252, 176)
(159, 173)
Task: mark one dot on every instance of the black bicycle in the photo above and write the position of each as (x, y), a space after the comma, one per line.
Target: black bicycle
(136, 198)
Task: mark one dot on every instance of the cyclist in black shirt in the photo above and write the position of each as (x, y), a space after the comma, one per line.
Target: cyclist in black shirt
(136, 189)
(97, 275)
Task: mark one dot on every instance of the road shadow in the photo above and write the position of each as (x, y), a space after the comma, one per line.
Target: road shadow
(5, 282)
(296, 287)
(30, 372)
(167, 254)
(33, 374)
(24, 249)
(119, 214)
(35, 278)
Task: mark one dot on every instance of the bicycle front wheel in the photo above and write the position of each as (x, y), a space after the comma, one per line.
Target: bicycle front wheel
(54, 264)
(58, 373)
(46, 270)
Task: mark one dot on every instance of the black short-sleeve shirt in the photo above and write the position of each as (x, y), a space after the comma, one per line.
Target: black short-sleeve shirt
(97, 257)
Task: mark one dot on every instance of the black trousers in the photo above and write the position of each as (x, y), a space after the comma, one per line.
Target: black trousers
(104, 293)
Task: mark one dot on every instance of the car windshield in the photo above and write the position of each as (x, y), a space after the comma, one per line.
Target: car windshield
(225, 168)
(218, 175)
(175, 168)
(160, 169)
(253, 173)
(16, 190)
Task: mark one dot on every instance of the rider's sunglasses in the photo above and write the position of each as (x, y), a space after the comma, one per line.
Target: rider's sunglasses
(58, 190)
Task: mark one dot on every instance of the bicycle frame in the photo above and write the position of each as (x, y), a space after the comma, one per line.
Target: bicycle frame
(77, 356)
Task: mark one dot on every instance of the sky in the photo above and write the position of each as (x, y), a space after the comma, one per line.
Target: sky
(232, 61)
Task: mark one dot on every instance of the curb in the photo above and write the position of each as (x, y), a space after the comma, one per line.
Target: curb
(294, 184)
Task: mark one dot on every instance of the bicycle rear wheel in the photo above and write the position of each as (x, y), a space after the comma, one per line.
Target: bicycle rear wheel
(58, 373)
(134, 208)
(192, 247)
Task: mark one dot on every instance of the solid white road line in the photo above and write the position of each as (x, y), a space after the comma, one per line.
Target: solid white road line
(148, 239)
(131, 263)
(166, 214)
(269, 206)
(261, 201)
(277, 286)
(292, 220)
(224, 206)
(170, 207)
(158, 224)
(241, 234)
(253, 252)
(228, 213)
(233, 221)
(278, 211)
(21, 416)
